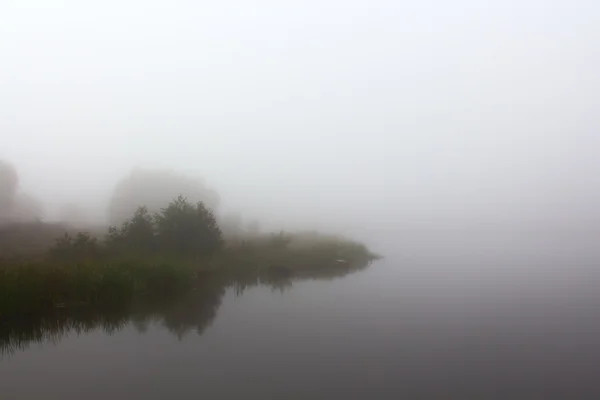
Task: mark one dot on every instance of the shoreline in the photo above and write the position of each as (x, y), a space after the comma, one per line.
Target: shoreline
(200, 297)
(30, 287)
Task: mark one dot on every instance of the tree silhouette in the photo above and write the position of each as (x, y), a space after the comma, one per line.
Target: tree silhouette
(9, 181)
(188, 230)
(139, 232)
(15, 206)
(155, 189)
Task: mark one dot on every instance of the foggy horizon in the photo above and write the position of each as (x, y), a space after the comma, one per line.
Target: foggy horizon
(350, 115)
(383, 199)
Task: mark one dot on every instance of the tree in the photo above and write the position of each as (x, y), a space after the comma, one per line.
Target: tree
(155, 189)
(79, 248)
(9, 182)
(188, 230)
(15, 206)
(136, 235)
(139, 232)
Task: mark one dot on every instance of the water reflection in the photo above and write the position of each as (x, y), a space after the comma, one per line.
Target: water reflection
(181, 313)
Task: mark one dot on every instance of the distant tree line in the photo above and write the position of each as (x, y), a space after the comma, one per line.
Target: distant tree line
(15, 206)
(154, 189)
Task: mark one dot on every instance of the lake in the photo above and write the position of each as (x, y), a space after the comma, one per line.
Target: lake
(446, 314)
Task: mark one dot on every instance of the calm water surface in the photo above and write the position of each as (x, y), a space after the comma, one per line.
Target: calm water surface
(444, 315)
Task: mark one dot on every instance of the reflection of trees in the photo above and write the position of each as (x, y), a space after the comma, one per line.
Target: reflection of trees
(19, 333)
(181, 313)
(195, 309)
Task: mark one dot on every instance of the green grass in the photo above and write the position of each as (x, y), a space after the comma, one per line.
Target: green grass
(42, 301)
(29, 286)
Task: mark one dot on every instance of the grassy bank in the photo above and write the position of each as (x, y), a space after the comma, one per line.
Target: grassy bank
(28, 287)
(160, 255)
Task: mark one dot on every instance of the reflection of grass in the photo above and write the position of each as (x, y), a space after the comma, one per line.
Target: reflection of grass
(180, 312)
(192, 307)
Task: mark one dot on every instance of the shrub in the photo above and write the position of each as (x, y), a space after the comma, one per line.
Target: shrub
(188, 230)
(79, 248)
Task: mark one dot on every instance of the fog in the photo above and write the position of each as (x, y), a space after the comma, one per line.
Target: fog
(350, 115)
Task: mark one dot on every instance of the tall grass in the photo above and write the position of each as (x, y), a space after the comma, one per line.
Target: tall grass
(28, 287)
(82, 270)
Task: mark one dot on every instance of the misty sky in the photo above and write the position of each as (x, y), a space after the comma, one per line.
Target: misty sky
(381, 111)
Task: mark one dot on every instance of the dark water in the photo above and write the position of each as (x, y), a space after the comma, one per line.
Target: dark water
(444, 315)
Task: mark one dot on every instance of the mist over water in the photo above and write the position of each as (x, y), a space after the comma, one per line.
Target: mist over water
(438, 316)
(459, 140)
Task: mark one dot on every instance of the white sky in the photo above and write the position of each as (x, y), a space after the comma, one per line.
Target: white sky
(320, 111)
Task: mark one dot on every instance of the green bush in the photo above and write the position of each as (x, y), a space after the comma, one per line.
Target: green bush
(188, 230)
